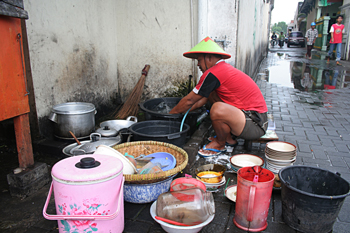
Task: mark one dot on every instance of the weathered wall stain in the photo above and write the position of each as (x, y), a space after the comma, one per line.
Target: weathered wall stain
(83, 78)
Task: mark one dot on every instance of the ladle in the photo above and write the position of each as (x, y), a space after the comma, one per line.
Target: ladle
(76, 139)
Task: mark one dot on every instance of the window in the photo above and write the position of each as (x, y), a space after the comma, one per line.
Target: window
(296, 34)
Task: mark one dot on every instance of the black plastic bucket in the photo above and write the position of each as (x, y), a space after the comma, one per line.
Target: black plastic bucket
(311, 197)
(162, 131)
(155, 110)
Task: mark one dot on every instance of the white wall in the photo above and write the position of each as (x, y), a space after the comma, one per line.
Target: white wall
(252, 36)
(73, 51)
(222, 25)
(94, 51)
(157, 33)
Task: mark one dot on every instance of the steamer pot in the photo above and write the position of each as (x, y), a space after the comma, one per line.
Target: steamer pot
(78, 117)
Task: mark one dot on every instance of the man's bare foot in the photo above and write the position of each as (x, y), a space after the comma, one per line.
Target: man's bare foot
(212, 148)
(229, 140)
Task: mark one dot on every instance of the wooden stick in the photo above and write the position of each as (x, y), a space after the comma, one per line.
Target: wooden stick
(76, 139)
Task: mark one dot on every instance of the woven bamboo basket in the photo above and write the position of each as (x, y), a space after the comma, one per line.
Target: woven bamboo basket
(150, 147)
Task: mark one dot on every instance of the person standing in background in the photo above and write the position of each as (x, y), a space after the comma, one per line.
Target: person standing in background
(311, 36)
(336, 31)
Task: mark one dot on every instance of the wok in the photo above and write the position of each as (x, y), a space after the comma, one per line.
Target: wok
(119, 124)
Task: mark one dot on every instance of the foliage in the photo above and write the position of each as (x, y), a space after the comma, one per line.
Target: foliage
(180, 89)
(279, 27)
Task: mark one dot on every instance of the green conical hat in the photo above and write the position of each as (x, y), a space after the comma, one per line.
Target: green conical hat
(207, 45)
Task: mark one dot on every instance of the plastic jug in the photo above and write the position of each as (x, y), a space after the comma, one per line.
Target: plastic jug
(254, 189)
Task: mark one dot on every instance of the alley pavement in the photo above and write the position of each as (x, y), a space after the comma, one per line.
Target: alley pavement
(317, 121)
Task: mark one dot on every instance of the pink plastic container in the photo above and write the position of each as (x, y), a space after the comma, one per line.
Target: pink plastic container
(88, 192)
(254, 189)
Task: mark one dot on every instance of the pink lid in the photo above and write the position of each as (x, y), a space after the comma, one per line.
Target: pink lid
(87, 168)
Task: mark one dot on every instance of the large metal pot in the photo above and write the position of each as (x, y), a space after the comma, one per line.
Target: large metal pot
(77, 117)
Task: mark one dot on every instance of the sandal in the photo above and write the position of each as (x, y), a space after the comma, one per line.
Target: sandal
(226, 143)
(211, 149)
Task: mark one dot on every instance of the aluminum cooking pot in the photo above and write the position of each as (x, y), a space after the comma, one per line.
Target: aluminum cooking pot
(119, 124)
(106, 131)
(77, 117)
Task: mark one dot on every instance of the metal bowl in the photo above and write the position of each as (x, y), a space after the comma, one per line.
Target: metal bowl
(119, 124)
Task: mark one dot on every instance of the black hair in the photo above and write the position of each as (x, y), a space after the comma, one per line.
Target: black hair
(339, 16)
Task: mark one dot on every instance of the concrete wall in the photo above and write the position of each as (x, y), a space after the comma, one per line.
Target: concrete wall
(94, 51)
(157, 33)
(73, 52)
(252, 35)
(222, 25)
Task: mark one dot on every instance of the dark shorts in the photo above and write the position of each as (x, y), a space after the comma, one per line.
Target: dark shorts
(255, 125)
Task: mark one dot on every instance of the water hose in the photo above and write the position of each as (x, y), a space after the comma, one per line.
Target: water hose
(183, 119)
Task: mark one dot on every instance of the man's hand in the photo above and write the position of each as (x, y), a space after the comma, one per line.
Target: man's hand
(187, 102)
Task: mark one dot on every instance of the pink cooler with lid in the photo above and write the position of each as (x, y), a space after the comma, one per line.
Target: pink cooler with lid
(88, 192)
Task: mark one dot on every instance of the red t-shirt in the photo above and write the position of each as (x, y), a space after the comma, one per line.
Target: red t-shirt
(337, 33)
(232, 86)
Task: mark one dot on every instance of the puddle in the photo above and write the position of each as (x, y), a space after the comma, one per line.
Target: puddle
(292, 69)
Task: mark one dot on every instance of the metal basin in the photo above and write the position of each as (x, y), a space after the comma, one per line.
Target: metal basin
(119, 124)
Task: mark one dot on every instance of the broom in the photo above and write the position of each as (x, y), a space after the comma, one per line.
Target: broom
(130, 107)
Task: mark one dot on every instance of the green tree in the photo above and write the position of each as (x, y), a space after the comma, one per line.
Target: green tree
(279, 27)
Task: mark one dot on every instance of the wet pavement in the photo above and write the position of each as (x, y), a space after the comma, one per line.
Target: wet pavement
(309, 102)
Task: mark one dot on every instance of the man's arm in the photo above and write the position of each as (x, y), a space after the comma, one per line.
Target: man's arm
(332, 37)
(191, 100)
(332, 31)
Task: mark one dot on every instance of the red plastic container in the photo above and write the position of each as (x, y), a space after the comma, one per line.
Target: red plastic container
(253, 198)
(186, 183)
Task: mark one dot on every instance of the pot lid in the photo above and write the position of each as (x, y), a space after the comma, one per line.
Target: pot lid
(95, 141)
(86, 168)
(73, 108)
(106, 131)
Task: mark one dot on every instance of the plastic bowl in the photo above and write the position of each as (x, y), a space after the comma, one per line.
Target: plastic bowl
(245, 160)
(280, 161)
(146, 193)
(214, 187)
(210, 173)
(165, 159)
(128, 167)
(231, 192)
(178, 229)
(279, 146)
